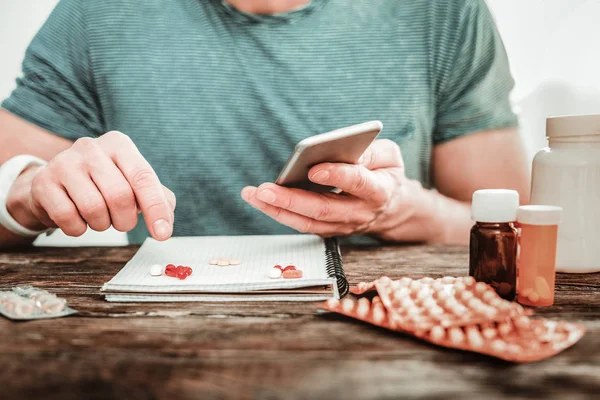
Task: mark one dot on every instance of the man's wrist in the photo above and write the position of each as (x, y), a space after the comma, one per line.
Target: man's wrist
(17, 202)
(416, 214)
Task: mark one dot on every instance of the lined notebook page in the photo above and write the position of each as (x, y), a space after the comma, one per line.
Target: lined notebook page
(258, 254)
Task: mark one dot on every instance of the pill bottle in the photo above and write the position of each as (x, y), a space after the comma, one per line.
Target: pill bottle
(493, 242)
(537, 254)
(567, 174)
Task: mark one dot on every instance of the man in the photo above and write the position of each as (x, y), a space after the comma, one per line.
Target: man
(202, 98)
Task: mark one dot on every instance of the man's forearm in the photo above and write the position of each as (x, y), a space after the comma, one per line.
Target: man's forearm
(435, 218)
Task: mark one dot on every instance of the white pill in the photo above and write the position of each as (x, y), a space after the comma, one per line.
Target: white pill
(474, 337)
(223, 262)
(156, 270)
(213, 261)
(363, 308)
(378, 314)
(234, 261)
(347, 305)
(274, 273)
(437, 333)
(456, 335)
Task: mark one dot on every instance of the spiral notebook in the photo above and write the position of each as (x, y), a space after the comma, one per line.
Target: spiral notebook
(319, 259)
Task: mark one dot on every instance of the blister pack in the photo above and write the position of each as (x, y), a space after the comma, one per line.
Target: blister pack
(27, 303)
(459, 313)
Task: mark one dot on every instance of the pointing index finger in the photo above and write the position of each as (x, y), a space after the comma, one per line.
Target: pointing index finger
(148, 190)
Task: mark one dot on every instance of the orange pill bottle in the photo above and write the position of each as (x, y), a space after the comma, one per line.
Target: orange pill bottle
(537, 254)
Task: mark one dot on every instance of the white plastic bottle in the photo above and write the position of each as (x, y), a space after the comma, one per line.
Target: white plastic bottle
(567, 174)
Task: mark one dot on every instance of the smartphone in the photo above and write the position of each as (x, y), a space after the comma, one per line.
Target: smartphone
(344, 145)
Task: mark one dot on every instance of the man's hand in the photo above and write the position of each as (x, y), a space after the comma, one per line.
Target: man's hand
(376, 198)
(96, 183)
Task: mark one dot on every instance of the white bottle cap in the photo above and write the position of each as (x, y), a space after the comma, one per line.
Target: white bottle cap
(495, 205)
(539, 215)
(573, 125)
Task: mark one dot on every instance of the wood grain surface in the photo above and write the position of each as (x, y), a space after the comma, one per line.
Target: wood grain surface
(265, 350)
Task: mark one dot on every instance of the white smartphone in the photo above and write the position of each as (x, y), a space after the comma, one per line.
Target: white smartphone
(344, 145)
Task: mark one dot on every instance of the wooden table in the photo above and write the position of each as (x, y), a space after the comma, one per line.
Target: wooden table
(265, 350)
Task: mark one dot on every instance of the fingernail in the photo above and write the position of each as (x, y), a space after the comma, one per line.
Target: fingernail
(162, 229)
(267, 195)
(320, 176)
(247, 193)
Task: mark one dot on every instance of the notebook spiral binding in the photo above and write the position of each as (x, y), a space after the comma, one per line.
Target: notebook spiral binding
(334, 265)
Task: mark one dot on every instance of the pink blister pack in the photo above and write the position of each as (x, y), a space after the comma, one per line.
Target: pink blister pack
(459, 313)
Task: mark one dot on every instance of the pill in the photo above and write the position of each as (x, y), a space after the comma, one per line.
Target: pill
(170, 266)
(522, 322)
(223, 262)
(489, 296)
(292, 274)
(448, 280)
(54, 305)
(429, 303)
(363, 308)
(466, 296)
(474, 337)
(378, 313)
(437, 286)
(181, 274)
(489, 333)
(427, 280)
(24, 307)
(333, 303)
(459, 287)
(468, 281)
(274, 273)
(213, 261)
(542, 288)
(289, 268)
(504, 328)
(456, 335)
(533, 296)
(188, 271)
(415, 286)
(347, 305)
(234, 261)
(437, 333)
(498, 346)
(480, 287)
(405, 281)
(156, 270)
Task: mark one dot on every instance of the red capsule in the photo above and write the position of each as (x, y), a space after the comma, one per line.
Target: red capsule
(182, 275)
(188, 271)
(170, 267)
(171, 272)
(289, 268)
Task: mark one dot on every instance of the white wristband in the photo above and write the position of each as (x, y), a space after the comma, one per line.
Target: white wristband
(9, 171)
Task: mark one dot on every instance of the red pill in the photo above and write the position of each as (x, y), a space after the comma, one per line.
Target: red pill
(188, 271)
(171, 272)
(170, 267)
(182, 275)
(289, 268)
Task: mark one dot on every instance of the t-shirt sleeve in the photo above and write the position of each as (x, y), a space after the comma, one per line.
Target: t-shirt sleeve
(56, 90)
(475, 79)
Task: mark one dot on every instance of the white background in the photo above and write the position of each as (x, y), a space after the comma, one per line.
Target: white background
(553, 47)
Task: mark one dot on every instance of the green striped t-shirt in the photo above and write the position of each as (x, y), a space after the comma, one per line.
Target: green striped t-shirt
(216, 99)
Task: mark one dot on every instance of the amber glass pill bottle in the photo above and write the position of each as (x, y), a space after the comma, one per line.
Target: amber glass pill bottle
(494, 240)
(537, 254)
